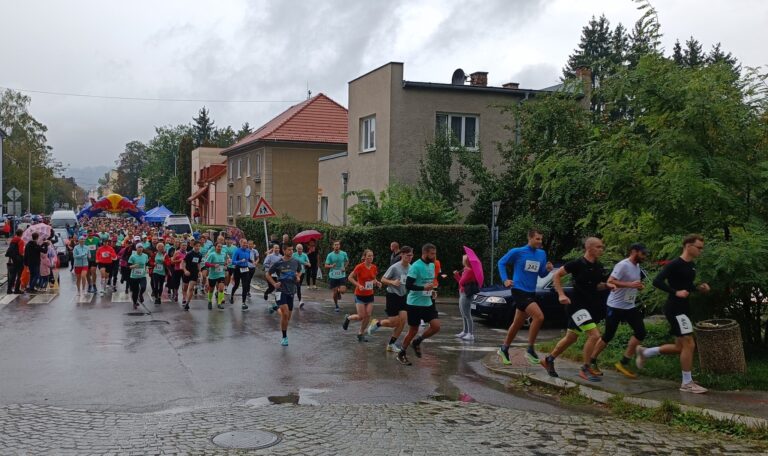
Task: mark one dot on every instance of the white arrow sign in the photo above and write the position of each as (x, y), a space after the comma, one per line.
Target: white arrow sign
(14, 194)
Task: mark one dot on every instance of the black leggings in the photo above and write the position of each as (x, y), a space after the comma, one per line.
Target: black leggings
(633, 317)
(158, 280)
(113, 270)
(138, 287)
(243, 278)
(311, 274)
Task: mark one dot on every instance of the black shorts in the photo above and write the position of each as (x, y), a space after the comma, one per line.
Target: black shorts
(287, 300)
(364, 299)
(395, 304)
(192, 277)
(335, 283)
(91, 263)
(633, 317)
(418, 313)
(213, 282)
(581, 315)
(522, 299)
(105, 266)
(679, 322)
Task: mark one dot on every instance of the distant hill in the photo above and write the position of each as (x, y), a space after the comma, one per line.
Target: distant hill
(87, 177)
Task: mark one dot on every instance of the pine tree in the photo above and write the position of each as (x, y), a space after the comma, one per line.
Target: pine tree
(223, 137)
(692, 55)
(244, 131)
(204, 128)
(593, 51)
(677, 54)
(619, 47)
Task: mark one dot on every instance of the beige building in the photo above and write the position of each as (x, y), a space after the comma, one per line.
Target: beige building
(279, 161)
(209, 186)
(391, 120)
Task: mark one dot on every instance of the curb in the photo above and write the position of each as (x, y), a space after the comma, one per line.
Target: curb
(603, 397)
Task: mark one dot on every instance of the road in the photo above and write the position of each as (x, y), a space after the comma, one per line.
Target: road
(73, 364)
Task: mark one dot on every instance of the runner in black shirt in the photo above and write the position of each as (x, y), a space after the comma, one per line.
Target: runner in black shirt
(583, 308)
(191, 272)
(677, 279)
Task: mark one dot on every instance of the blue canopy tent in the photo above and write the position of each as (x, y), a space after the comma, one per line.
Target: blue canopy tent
(157, 214)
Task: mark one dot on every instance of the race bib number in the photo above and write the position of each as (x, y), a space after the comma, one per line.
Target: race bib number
(139, 271)
(427, 293)
(219, 269)
(686, 327)
(531, 266)
(369, 285)
(336, 274)
(195, 260)
(631, 296)
(403, 279)
(581, 316)
(278, 295)
(243, 270)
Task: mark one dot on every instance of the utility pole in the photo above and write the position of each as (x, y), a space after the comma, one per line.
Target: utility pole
(494, 234)
(29, 181)
(3, 135)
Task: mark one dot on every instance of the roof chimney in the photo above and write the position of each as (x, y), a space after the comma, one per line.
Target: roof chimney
(511, 85)
(479, 78)
(584, 74)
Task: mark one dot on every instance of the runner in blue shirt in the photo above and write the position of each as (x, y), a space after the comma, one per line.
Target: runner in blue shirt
(529, 263)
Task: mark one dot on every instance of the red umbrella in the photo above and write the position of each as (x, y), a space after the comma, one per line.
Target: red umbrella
(306, 236)
(475, 265)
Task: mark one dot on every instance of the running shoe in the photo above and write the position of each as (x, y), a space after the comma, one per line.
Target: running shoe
(301, 305)
(548, 364)
(245, 306)
(693, 387)
(219, 306)
(461, 334)
(532, 357)
(640, 357)
(624, 370)
(468, 337)
(587, 375)
(338, 309)
(232, 299)
(594, 370)
(372, 328)
(361, 338)
(186, 307)
(394, 348)
(284, 342)
(417, 349)
(403, 359)
(504, 354)
(210, 305)
(345, 325)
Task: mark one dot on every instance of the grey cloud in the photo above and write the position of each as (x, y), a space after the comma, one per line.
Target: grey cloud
(537, 76)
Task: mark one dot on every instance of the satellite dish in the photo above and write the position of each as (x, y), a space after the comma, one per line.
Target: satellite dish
(458, 77)
(247, 191)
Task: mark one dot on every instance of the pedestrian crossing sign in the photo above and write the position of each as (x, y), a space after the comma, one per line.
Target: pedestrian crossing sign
(263, 209)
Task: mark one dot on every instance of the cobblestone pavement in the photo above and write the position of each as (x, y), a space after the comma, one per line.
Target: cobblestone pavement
(444, 428)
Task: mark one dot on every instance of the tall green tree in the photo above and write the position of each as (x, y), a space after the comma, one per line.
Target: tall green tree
(223, 137)
(185, 173)
(204, 128)
(129, 168)
(160, 174)
(244, 131)
(440, 173)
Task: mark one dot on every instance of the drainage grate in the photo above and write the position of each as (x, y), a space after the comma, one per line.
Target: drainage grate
(247, 440)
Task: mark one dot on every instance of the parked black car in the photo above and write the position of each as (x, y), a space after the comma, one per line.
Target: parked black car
(497, 304)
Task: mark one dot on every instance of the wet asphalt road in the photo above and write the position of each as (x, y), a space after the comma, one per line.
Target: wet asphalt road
(94, 355)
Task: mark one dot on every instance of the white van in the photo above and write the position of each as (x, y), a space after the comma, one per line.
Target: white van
(59, 221)
(179, 223)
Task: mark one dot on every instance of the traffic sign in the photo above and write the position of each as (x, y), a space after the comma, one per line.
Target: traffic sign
(14, 194)
(263, 209)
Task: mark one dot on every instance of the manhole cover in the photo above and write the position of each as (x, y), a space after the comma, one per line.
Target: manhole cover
(248, 440)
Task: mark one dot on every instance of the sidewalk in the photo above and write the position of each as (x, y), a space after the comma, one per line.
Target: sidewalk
(749, 407)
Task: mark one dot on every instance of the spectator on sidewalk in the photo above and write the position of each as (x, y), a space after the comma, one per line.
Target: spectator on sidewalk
(394, 247)
(467, 289)
(32, 253)
(15, 254)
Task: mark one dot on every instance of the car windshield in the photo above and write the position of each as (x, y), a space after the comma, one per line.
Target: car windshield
(62, 223)
(179, 229)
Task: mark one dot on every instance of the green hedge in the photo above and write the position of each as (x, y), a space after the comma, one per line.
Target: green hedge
(203, 228)
(449, 240)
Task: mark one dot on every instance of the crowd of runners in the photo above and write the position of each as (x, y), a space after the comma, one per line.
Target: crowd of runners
(105, 251)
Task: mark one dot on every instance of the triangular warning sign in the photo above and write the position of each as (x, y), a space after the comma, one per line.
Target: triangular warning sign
(263, 209)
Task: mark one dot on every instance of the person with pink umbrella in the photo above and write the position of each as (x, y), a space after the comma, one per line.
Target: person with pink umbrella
(468, 287)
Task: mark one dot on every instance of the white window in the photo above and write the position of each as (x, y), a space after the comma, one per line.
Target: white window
(247, 205)
(230, 168)
(248, 166)
(368, 134)
(231, 205)
(257, 171)
(461, 128)
(324, 208)
(239, 167)
(239, 204)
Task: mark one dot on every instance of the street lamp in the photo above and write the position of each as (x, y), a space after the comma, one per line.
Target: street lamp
(29, 181)
(344, 181)
(494, 233)
(3, 135)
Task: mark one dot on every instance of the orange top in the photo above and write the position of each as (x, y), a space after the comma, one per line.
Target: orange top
(437, 270)
(365, 276)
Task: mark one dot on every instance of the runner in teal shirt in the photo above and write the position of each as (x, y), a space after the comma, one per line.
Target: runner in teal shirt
(420, 307)
(336, 263)
(217, 265)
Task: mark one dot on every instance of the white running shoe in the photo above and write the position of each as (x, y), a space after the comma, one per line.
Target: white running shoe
(692, 387)
(469, 337)
(461, 334)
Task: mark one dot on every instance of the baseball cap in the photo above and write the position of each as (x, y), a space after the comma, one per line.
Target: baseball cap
(137, 239)
(640, 247)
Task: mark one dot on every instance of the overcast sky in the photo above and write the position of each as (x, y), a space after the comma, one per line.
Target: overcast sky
(271, 50)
